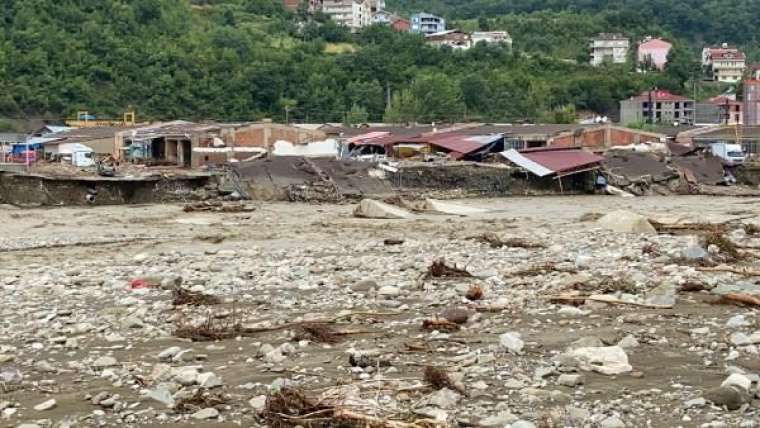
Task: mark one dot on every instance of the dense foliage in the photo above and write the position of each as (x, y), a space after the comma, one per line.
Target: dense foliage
(248, 59)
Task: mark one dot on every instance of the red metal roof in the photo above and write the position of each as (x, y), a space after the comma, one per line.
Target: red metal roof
(725, 53)
(460, 144)
(367, 138)
(562, 160)
(655, 44)
(660, 95)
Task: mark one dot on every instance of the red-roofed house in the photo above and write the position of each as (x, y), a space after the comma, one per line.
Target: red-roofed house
(724, 64)
(654, 52)
(657, 106)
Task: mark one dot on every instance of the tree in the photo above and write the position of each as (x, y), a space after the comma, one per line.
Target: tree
(682, 66)
(439, 98)
(484, 24)
(357, 115)
(403, 108)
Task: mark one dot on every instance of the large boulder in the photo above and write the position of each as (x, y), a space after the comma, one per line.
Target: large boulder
(627, 222)
(453, 209)
(370, 208)
(610, 360)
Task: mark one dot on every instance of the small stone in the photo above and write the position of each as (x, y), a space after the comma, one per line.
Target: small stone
(104, 362)
(389, 291)
(577, 414)
(697, 402)
(628, 342)
(209, 380)
(512, 342)
(169, 353)
(47, 405)
(522, 424)
(612, 422)
(444, 399)
(186, 377)
(737, 321)
(258, 403)
(571, 380)
(162, 394)
(456, 315)
(726, 396)
(572, 311)
(738, 381)
(274, 357)
(207, 413)
(364, 286)
(499, 420)
(740, 339)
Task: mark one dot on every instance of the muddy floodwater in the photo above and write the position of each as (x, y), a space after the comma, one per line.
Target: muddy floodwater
(147, 315)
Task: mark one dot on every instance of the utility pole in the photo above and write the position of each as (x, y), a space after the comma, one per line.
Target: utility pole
(287, 115)
(387, 95)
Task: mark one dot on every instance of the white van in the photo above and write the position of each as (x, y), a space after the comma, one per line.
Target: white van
(732, 154)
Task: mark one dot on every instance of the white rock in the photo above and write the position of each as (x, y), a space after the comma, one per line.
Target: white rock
(258, 403)
(186, 377)
(47, 405)
(512, 342)
(740, 339)
(610, 360)
(522, 424)
(162, 394)
(207, 413)
(498, 421)
(572, 311)
(444, 399)
(274, 357)
(209, 380)
(627, 222)
(169, 353)
(612, 422)
(738, 381)
(369, 208)
(389, 291)
(737, 321)
(105, 361)
(571, 380)
(628, 342)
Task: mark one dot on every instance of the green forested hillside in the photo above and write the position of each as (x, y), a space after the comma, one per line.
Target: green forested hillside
(248, 59)
(696, 20)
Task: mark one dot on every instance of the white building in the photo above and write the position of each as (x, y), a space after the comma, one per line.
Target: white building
(354, 14)
(491, 37)
(610, 48)
(724, 64)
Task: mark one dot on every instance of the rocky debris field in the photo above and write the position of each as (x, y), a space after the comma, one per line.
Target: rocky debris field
(532, 312)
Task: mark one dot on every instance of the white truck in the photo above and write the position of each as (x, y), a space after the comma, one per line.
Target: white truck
(731, 154)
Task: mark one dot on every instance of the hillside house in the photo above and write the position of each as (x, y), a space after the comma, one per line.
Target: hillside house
(426, 23)
(611, 48)
(354, 14)
(653, 53)
(724, 64)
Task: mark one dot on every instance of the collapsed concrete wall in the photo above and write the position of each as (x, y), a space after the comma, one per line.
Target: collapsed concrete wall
(35, 190)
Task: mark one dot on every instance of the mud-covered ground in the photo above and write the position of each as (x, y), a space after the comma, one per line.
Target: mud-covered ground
(76, 328)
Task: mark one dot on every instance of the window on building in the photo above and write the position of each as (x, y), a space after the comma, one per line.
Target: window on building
(659, 106)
